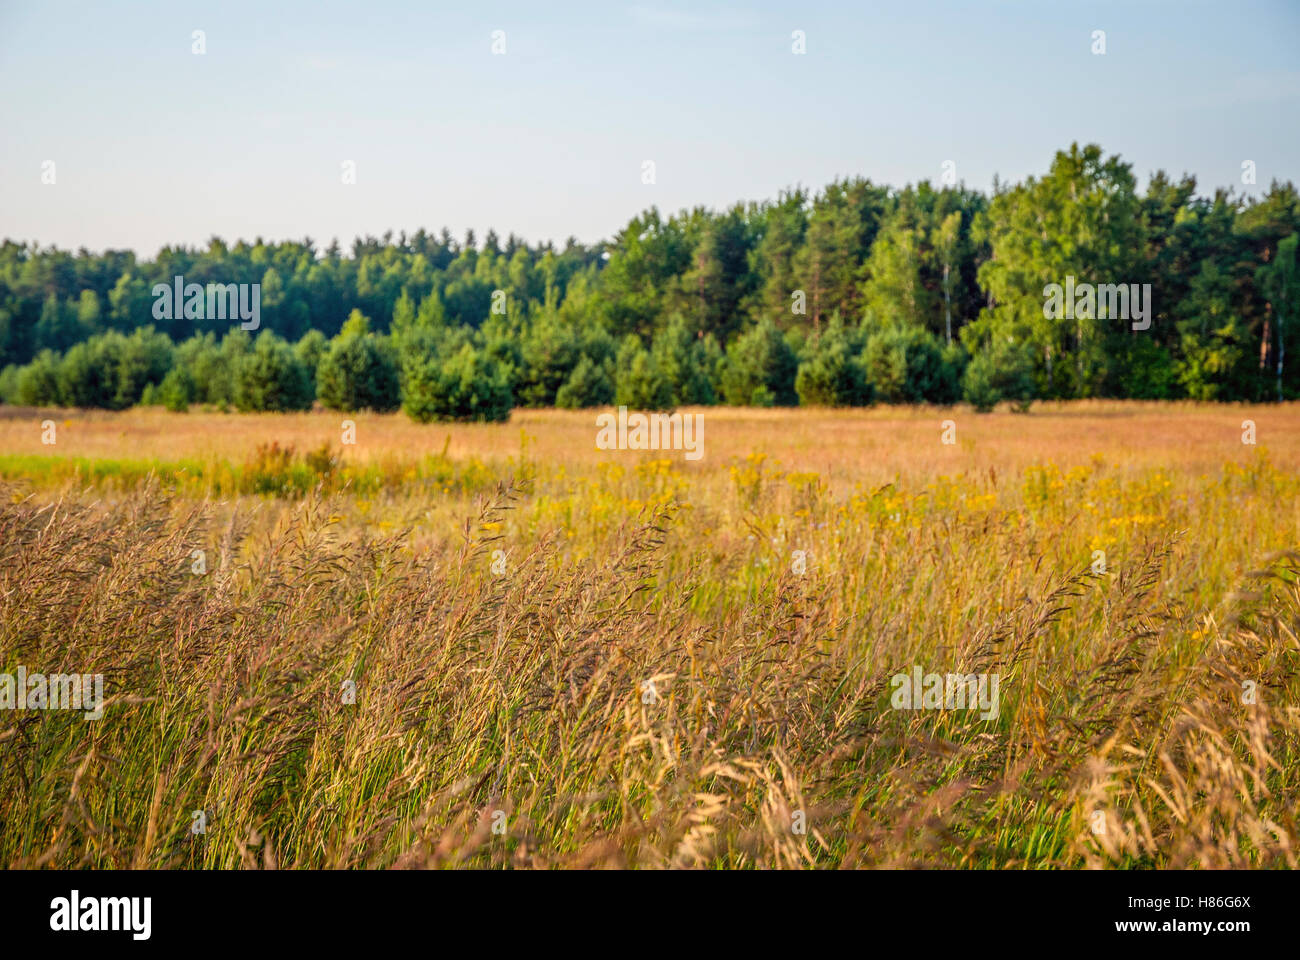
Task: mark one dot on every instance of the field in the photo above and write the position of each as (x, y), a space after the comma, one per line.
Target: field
(497, 645)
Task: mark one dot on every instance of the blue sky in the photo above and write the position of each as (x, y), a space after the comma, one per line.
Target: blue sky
(153, 144)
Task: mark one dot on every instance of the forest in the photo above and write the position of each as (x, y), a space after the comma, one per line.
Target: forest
(854, 295)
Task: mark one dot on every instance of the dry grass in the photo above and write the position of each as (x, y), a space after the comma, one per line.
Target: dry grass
(513, 689)
(853, 445)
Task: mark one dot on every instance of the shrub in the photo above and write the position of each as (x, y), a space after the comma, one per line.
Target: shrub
(271, 377)
(831, 374)
(358, 372)
(310, 349)
(146, 357)
(38, 382)
(1002, 371)
(907, 365)
(760, 368)
(9, 383)
(550, 352)
(465, 385)
(683, 360)
(639, 383)
(177, 390)
(88, 374)
(588, 386)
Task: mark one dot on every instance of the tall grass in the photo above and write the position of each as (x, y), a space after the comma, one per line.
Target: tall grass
(622, 665)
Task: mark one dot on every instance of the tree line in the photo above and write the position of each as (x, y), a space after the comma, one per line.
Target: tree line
(854, 295)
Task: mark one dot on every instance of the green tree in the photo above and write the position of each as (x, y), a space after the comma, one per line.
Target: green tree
(682, 358)
(1279, 282)
(639, 383)
(358, 371)
(946, 240)
(38, 381)
(1082, 220)
(465, 385)
(89, 314)
(895, 291)
(589, 385)
(906, 364)
(177, 390)
(271, 377)
(842, 226)
(775, 257)
(88, 374)
(146, 357)
(760, 368)
(1003, 371)
(57, 328)
(550, 351)
(130, 305)
(646, 261)
(719, 279)
(832, 372)
(1213, 338)
(310, 348)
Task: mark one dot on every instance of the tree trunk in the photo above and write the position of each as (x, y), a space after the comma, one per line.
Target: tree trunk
(1281, 346)
(947, 305)
(817, 289)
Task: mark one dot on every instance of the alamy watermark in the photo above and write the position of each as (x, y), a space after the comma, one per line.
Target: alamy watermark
(75, 913)
(651, 431)
(216, 301)
(57, 691)
(1106, 301)
(953, 691)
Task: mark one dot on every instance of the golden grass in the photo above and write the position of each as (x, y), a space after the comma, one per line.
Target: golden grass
(856, 445)
(667, 663)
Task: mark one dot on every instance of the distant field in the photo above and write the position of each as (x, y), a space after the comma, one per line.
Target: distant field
(567, 655)
(845, 446)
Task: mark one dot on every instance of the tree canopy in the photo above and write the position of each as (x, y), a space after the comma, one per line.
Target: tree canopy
(855, 294)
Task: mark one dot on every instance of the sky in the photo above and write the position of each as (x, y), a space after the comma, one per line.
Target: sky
(153, 144)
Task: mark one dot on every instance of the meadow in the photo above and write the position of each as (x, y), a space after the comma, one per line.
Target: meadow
(495, 645)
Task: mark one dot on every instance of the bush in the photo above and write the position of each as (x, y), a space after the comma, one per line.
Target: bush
(1002, 371)
(111, 371)
(588, 386)
(9, 383)
(639, 383)
(358, 372)
(88, 375)
(907, 365)
(146, 357)
(549, 354)
(465, 385)
(271, 377)
(177, 390)
(200, 368)
(38, 382)
(310, 349)
(683, 360)
(832, 374)
(760, 368)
